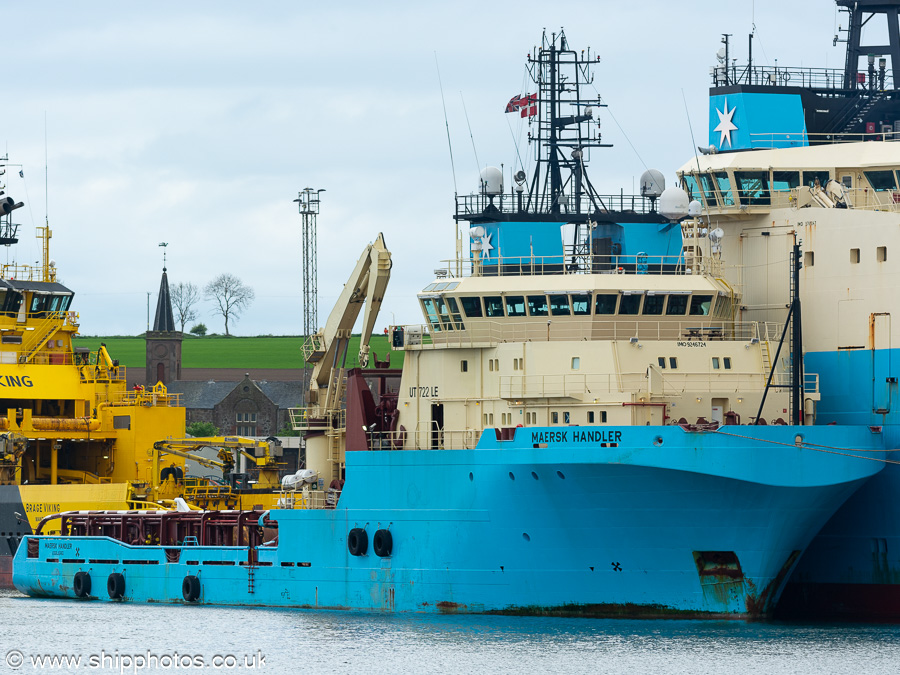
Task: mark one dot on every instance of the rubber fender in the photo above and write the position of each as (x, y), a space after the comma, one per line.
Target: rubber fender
(115, 586)
(383, 543)
(190, 588)
(357, 541)
(82, 584)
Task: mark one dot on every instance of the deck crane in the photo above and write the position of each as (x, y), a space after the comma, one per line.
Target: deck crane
(326, 350)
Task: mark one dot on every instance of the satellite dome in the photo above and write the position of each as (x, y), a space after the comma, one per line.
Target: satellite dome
(491, 180)
(695, 208)
(652, 183)
(674, 203)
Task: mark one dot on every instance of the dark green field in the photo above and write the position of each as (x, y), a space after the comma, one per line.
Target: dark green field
(233, 352)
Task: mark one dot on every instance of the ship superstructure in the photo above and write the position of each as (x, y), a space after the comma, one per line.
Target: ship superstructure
(810, 154)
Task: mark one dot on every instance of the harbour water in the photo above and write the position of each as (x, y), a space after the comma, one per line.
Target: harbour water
(99, 637)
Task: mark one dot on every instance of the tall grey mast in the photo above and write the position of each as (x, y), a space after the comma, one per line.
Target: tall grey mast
(308, 201)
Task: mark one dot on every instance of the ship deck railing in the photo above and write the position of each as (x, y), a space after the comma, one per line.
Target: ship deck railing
(314, 418)
(761, 199)
(791, 76)
(473, 206)
(490, 332)
(578, 263)
(675, 383)
(141, 396)
(308, 499)
(782, 139)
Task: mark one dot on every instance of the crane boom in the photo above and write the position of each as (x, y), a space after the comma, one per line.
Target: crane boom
(327, 349)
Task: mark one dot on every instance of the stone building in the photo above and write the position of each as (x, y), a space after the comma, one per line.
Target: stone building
(245, 408)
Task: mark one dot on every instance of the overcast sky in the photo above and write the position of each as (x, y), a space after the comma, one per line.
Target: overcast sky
(198, 123)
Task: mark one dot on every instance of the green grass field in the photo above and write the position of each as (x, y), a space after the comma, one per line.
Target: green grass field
(233, 352)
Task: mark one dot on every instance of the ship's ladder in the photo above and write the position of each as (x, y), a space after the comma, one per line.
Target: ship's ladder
(42, 333)
(766, 358)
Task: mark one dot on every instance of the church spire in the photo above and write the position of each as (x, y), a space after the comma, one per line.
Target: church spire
(165, 320)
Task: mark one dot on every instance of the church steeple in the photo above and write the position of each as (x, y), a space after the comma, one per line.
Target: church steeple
(165, 319)
(163, 362)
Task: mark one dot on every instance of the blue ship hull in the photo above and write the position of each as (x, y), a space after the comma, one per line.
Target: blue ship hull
(852, 568)
(658, 520)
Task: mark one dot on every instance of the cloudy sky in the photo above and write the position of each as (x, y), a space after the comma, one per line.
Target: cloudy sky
(198, 123)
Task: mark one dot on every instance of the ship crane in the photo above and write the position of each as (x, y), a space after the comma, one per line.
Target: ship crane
(262, 453)
(322, 419)
(327, 348)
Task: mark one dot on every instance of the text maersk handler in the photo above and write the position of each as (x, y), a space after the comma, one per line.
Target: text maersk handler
(578, 436)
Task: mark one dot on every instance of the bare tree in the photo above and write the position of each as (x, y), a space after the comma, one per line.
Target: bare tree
(184, 299)
(230, 295)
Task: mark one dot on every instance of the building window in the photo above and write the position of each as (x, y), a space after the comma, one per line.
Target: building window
(576, 362)
(464, 366)
(554, 418)
(854, 256)
(661, 360)
(673, 362)
(882, 254)
(715, 360)
(246, 424)
(590, 416)
(727, 361)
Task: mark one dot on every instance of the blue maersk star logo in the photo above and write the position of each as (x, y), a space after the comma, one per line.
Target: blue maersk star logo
(726, 126)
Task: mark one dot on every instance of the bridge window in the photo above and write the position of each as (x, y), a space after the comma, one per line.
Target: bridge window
(559, 305)
(472, 307)
(881, 180)
(810, 178)
(724, 188)
(784, 181)
(690, 186)
(661, 360)
(537, 305)
(673, 362)
(700, 305)
(753, 187)
(606, 304)
(854, 256)
(881, 254)
(709, 189)
(515, 305)
(715, 362)
(493, 306)
(454, 313)
(653, 304)
(430, 312)
(726, 361)
(554, 418)
(630, 305)
(581, 305)
(444, 313)
(677, 305)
